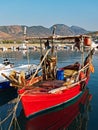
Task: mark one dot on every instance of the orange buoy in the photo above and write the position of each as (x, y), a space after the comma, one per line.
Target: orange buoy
(87, 41)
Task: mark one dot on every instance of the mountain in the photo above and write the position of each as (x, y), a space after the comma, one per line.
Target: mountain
(78, 30)
(17, 31)
(11, 32)
(4, 35)
(38, 31)
(62, 29)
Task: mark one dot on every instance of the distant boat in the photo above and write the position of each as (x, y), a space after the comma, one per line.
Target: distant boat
(67, 48)
(23, 46)
(95, 46)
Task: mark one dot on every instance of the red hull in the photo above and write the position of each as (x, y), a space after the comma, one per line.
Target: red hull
(59, 119)
(37, 103)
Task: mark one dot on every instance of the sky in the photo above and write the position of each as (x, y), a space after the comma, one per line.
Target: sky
(81, 13)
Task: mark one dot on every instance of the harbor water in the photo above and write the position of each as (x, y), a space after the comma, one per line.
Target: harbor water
(8, 98)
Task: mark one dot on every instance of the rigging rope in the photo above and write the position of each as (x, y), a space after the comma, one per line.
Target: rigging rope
(13, 113)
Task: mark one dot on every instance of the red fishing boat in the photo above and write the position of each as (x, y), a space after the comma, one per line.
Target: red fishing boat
(75, 112)
(55, 87)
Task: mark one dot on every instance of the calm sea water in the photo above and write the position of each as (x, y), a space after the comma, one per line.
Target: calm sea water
(8, 97)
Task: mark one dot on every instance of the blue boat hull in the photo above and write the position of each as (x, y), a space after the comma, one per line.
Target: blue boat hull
(5, 84)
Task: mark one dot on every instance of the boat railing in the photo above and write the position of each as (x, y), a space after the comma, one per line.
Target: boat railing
(82, 71)
(66, 87)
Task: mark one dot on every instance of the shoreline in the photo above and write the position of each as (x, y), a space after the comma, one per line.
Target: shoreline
(34, 46)
(9, 45)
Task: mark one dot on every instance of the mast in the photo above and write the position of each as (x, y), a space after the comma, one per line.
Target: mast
(53, 35)
(82, 49)
(25, 34)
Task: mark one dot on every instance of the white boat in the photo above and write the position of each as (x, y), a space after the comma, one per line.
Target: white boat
(23, 46)
(6, 64)
(67, 48)
(28, 69)
(95, 45)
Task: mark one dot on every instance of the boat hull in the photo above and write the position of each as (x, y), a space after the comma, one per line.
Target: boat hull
(60, 117)
(4, 85)
(38, 103)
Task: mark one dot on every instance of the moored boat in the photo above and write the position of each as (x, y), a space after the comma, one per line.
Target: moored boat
(55, 86)
(61, 117)
(6, 64)
(28, 69)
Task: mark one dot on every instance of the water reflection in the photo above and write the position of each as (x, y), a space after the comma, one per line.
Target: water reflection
(21, 57)
(73, 117)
